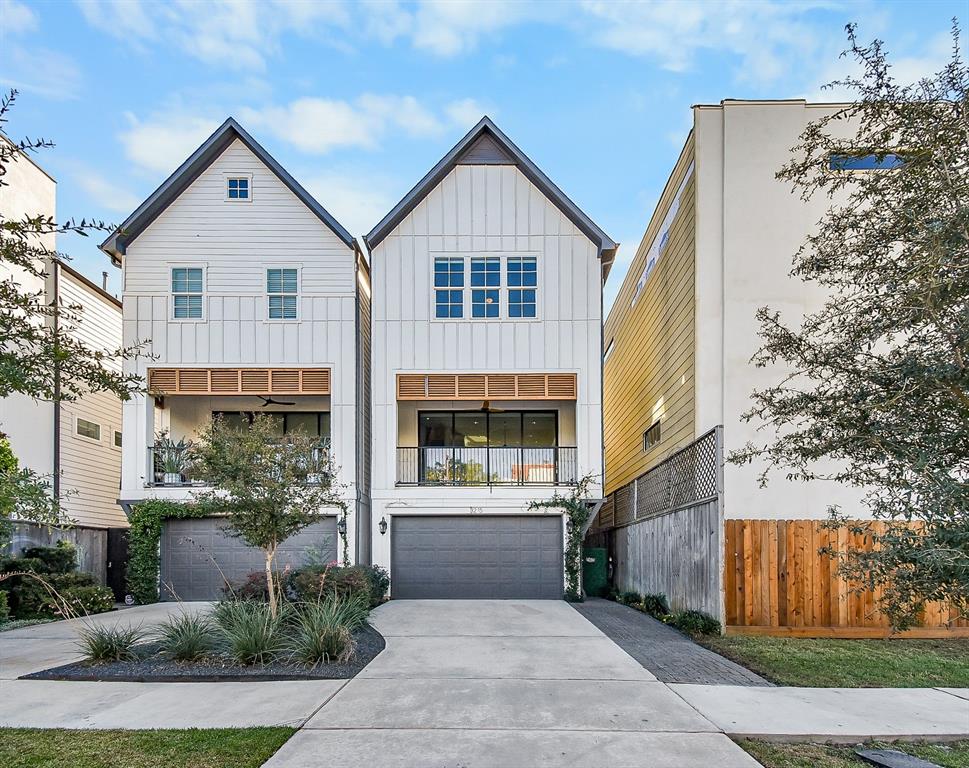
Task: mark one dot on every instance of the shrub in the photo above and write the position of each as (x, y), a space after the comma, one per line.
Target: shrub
(313, 584)
(630, 598)
(61, 558)
(101, 643)
(655, 605)
(253, 588)
(322, 630)
(249, 633)
(571, 596)
(694, 623)
(188, 637)
(80, 601)
(4, 608)
(379, 582)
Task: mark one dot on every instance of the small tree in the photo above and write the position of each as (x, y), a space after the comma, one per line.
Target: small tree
(24, 495)
(270, 487)
(879, 376)
(41, 355)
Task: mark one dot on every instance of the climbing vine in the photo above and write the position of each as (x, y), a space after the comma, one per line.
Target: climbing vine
(146, 521)
(344, 536)
(577, 514)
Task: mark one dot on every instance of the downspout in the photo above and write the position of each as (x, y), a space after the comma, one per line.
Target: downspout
(56, 481)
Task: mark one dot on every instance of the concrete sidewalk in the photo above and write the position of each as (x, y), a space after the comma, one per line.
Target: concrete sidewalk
(477, 683)
(846, 715)
(504, 684)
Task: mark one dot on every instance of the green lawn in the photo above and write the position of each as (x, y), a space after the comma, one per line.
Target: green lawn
(829, 663)
(219, 748)
(954, 755)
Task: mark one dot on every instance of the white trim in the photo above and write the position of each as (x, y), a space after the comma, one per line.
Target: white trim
(171, 295)
(299, 292)
(88, 437)
(503, 287)
(226, 175)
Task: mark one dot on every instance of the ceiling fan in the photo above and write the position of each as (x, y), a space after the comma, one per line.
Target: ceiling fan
(270, 401)
(486, 408)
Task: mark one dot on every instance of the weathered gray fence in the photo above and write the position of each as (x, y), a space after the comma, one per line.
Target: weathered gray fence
(664, 530)
(91, 543)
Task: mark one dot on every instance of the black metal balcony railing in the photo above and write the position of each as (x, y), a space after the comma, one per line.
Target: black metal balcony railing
(171, 465)
(556, 465)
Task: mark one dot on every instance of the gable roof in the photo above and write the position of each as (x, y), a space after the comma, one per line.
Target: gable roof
(211, 149)
(485, 144)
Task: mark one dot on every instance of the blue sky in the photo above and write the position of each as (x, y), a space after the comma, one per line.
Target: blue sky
(358, 100)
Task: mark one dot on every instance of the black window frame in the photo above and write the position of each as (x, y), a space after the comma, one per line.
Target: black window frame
(653, 435)
(487, 416)
(319, 414)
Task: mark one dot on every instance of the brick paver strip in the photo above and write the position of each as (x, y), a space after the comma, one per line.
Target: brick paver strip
(668, 654)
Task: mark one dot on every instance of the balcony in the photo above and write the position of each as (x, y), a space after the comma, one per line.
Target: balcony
(171, 464)
(488, 466)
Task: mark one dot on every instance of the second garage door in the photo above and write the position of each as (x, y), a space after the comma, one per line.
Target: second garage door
(197, 556)
(476, 556)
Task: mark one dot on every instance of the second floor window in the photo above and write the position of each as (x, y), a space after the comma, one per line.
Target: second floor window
(485, 286)
(282, 286)
(448, 287)
(522, 286)
(187, 293)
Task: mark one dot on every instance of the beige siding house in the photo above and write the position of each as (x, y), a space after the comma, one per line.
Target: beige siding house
(76, 444)
(678, 379)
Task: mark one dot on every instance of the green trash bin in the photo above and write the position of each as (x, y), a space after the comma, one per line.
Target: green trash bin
(594, 571)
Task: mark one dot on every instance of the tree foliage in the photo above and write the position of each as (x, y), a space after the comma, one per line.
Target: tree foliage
(41, 355)
(270, 487)
(877, 390)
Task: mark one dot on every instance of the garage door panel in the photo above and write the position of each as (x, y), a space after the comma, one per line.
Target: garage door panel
(481, 556)
(188, 548)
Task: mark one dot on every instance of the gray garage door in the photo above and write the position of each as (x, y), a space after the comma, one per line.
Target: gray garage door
(476, 556)
(188, 548)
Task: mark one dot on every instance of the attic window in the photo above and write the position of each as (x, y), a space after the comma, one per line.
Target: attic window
(237, 188)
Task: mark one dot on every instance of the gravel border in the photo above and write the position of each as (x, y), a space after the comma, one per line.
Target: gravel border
(154, 668)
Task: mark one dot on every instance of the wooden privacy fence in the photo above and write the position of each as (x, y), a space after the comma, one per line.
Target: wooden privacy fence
(666, 529)
(776, 582)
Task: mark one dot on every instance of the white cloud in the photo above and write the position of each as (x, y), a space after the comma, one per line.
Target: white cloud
(40, 70)
(769, 38)
(465, 113)
(317, 126)
(236, 34)
(16, 18)
(105, 193)
(164, 141)
(357, 200)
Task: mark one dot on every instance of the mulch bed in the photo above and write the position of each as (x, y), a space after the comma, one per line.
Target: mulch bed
(152, 667)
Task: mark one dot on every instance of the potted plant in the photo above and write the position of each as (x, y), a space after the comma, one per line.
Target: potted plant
(171, 459)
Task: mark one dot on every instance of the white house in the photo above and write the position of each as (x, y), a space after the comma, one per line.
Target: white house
(250, 298)
(486, 373)
(76, 444)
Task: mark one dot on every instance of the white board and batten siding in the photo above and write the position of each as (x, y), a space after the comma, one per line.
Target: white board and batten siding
(485, 210)
(235, 242)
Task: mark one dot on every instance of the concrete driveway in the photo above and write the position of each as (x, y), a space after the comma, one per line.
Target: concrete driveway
(502, 684)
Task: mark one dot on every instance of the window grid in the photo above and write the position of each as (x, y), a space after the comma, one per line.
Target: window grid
(448, 287)
(88, 429)
(282, 286)
(187, 293)
(237, 189)
(485, 286)
(522, 286)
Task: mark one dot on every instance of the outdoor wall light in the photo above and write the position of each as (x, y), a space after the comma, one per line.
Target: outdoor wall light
(341, 526)
(382, 525)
